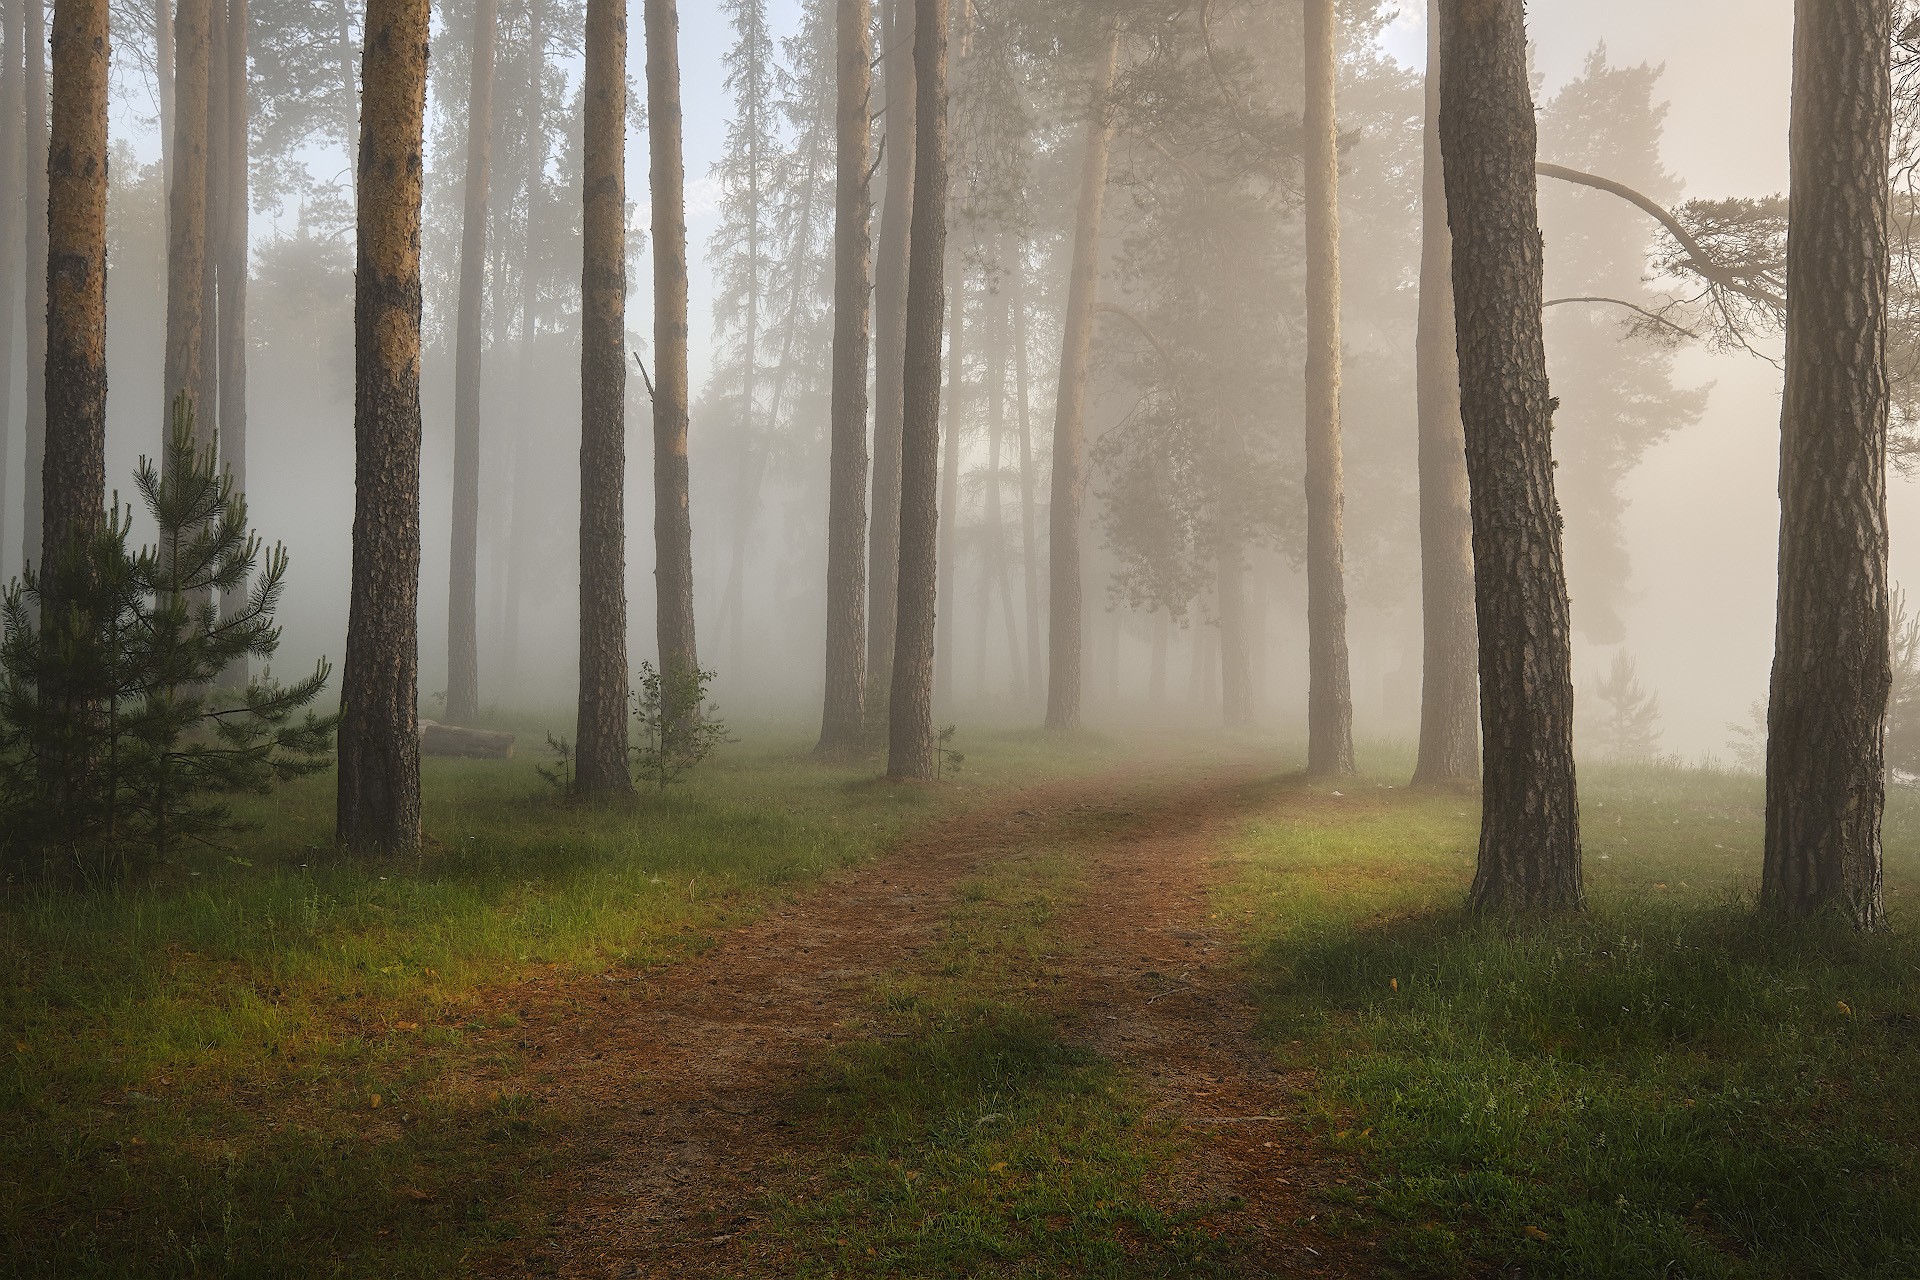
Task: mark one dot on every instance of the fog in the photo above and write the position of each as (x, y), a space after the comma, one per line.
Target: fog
(1696, 520)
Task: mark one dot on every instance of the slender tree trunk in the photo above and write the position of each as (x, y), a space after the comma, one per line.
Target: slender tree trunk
(236, 260)
(349, 100)
(846, 693)
(672, 520)
(1826, 723)
(910, 751)
(379, 800)
(889, 338)
(1450, 683)
(997, 574)
(207, 402)
(463, 585)
(1329, 689)
(13, 101)
(1530, 812)
(1065, 630)
(74, 482)
(1236, 654)
(1029, 515)
(185, 374)
(163, 79)
(520, 503)
(1157, 663)
(945, 658)
(600, 761)
(35, 185)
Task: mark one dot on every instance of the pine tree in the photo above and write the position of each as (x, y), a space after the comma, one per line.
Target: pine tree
(1628, 727)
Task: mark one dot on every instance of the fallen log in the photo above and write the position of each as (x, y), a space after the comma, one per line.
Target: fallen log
(448, 740)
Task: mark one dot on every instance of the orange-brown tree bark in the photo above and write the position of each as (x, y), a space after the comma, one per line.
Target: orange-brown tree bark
(1530, 813)
(185, 372)
(379, 776)
(1826, 721)
(235, 264)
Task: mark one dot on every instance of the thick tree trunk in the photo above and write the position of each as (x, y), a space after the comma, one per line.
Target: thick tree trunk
(672, 520)
(910, 746)
(1329, 691)
(463, 577)
(1065, 626)
(74, 482)
(846, 692)
(1236, 651)
(1826, 723)
(1530, 813)
(236, 260)
(889, 339)
(520, 503)
(13, 101)
(379, 800)
(1029, 515)
(185, 373)
(945, 658)
(35, 185)
(1450, 683)
(600, 761)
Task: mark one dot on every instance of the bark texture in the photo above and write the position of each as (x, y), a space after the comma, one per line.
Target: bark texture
(889, 331)
(1826, 722)
(1065, 626)
(846, 693)
(600, 765)
(35, 185)
(1450, 680)
(672, 520)
(463, 575)
(185, 372)
(379, 798)
(1329, 685)
(12, 212)
(74, 480)
(1530, 813)
(910, 745)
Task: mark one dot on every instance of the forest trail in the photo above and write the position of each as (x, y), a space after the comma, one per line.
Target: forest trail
(680, 1082)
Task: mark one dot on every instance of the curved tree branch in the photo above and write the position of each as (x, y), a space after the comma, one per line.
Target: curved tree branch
(1654, 316)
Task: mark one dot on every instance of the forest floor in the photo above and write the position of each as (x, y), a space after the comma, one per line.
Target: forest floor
(1095, 1008)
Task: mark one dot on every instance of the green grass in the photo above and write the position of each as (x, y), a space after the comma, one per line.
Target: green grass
(1665, 1085)
(251, 1065)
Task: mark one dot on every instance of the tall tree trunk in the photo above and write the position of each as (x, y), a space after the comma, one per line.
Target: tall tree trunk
(1329, 688)
(379, 800)
(236, 260)
(1029, 515)
(463, 585)
(910, 752)
(1826, 723)
(672, 520)
(13, 102)
(1450, 684)
(996, 574)
(350, 101)
(35, 185)
(846, 693)
(1157, 662)
(1236, 653)
(207, 423)
(1066, 629)
(185, 374)
(944, 656)
(1530, 812)
(600, 762)
(520, 502)
(163, 79)
(74, 481)
(889, 338)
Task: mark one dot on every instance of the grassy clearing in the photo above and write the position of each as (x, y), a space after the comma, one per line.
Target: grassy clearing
(1666, 1085)
(248, 1067)
(968, 1139)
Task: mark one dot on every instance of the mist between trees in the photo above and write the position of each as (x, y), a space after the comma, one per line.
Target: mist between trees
(1122, 334)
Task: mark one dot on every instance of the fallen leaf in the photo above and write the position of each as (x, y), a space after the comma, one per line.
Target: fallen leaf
(1845, 1008)
(375, 1100)
(1534, 1233)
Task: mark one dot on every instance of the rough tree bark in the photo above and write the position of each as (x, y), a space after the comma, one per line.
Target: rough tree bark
(379, 797)
(889, 333)
(35, 185)
(1530, 813)
(672, 520)
(846, 692)
(187, 221)
(1826, 722)
(1065, 628)
(235, 263)
(463, 574)
(1450, 681)
(600, 740)
(13, 102)
(1329, 689)
(74, 482)
(910, 744)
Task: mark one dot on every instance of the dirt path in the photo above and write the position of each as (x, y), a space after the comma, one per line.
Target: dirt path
(675, 1080)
